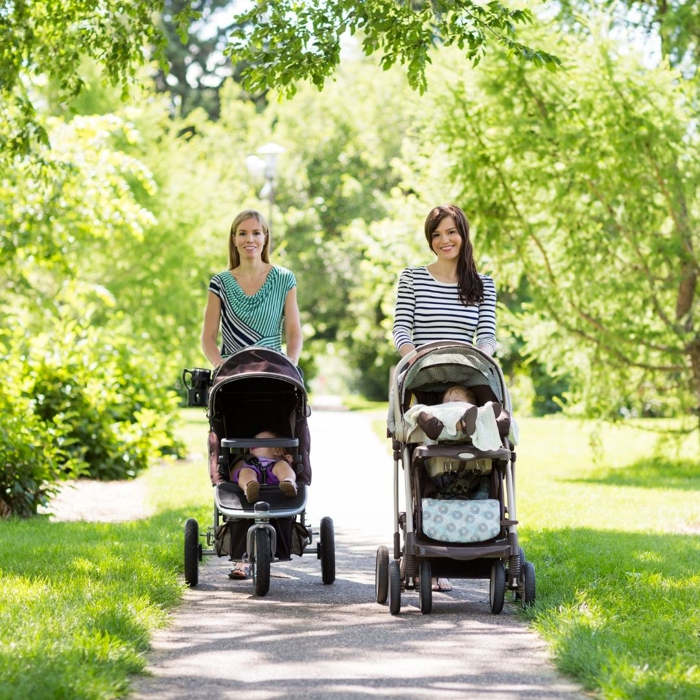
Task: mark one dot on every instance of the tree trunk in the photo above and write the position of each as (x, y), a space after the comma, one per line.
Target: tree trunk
(694, 354)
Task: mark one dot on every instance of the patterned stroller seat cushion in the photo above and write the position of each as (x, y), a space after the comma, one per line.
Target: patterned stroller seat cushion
(461, 520)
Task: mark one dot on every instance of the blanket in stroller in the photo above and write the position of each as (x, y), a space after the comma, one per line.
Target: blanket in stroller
(484, 435)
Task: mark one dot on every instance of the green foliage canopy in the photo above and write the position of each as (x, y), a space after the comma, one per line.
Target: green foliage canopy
(285, 41)
(52, 39)
(589, 189)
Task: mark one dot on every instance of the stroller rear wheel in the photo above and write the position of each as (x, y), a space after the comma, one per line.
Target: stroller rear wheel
(327, 550)
(394, 587)
(381, 575)
(426, 587)
(261, 563)
(192, 552)
(497, 587)
(527, 575)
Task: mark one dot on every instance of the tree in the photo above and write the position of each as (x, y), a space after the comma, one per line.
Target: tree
(285, 41)
(675, 22)
(39, 39)
(196, 66)
(586, 182)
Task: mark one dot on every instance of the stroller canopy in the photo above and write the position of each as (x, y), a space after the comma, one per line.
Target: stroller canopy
(259, 389)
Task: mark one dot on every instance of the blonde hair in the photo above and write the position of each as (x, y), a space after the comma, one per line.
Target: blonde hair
(234, 259)
(468, 394)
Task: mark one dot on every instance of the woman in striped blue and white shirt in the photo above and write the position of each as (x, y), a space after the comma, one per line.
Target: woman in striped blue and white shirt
(448, 299)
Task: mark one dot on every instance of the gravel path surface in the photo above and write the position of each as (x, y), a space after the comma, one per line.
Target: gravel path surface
(307, 640)
(100, 501)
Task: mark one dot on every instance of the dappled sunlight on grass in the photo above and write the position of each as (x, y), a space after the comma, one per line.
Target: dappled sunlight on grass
(620, 609)
(651, 472)
(91, 594)
(79, 600)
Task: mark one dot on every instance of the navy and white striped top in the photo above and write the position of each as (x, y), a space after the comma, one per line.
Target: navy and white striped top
(252, 319)
(428, 310)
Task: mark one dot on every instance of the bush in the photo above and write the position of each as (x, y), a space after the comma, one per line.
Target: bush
(110, 403)
(30, 460)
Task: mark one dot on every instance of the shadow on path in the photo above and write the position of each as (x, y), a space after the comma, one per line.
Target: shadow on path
(308, 640)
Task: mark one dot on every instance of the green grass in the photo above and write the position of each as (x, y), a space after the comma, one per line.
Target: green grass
(354, 402)
(611, 522)
(609, 515)
(79, 601)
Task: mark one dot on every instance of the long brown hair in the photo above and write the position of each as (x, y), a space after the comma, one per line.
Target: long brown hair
(471, 288)
(234, 259)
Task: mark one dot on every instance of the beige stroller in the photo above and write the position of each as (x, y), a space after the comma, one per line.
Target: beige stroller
(456, 538)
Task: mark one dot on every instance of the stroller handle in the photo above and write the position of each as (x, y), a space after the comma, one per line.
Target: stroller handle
(259, 442)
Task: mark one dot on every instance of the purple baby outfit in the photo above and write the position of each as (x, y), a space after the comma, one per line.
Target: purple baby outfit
(258, 465)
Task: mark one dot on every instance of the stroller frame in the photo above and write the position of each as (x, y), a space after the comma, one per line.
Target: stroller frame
(501, 559)
(257, 376)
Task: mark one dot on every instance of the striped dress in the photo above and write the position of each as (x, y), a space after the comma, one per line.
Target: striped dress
(428, 310)
(252, 319)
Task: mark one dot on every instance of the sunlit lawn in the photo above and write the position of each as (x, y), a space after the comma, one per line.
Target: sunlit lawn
(610, 517)
(79, 601)
(613, 532)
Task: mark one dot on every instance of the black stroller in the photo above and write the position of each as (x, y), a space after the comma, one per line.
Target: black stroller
(452, 549)
(255, 389)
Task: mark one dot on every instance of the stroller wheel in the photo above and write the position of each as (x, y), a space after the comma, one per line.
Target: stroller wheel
(527, 574)
(426, 587)
(381, 575)
(327, 551)
(192, 552)
(394, 587)
(261, 564)
(497, 587)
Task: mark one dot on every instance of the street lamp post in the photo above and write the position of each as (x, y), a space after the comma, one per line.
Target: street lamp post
(263, 165)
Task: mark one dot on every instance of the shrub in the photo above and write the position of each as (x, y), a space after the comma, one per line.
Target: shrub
(109, 402)
(30, 459)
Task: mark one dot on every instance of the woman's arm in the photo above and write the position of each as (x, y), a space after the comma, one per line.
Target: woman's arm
(486, 326)
(210, 329)
(292, 326)
(404, 313)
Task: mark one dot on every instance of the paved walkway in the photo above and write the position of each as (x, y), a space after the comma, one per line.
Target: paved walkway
(307, 640)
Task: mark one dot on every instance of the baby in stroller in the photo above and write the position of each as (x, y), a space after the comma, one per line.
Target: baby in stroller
(273, 462)
(459, 417)
(459, 518)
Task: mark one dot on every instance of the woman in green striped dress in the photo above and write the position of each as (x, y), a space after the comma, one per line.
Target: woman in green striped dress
(253, 300)
(251, 303)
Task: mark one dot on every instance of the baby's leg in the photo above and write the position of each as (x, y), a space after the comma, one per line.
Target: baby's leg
(247, 480)
(467, 423)
(502, 417)
(286, 476)
(431, 425)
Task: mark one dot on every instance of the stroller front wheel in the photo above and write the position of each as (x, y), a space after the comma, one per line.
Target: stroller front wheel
(497, 587)
(192, 552)
(327, 550)
(261, 563)
(394, 587)
(426, 587)
(527, 574)
(381, 575)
